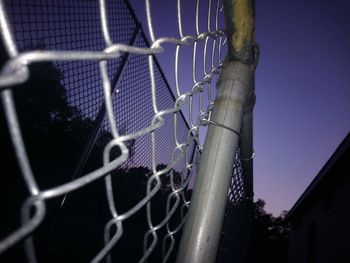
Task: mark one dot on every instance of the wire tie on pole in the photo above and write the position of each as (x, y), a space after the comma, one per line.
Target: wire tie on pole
(250, 158)
(223, 126)
(249, 198)
(205, 119)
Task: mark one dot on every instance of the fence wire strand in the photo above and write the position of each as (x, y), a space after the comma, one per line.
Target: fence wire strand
(132, 161)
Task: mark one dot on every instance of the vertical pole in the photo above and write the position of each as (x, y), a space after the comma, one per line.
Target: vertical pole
(246, 153)
(246, 156)
(201, 235)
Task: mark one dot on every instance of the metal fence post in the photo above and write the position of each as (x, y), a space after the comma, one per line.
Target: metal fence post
(247, 154)
(201, 235)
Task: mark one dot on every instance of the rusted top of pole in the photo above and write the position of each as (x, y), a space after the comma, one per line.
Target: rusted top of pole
(240, 28)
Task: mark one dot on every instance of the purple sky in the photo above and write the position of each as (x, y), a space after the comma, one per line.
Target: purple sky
(303, 94)
(302, 87)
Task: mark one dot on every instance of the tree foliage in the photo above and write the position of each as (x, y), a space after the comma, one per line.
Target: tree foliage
(269, 236)
(54, 132)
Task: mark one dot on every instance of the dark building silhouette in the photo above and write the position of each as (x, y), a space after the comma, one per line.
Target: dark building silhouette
(320, 219)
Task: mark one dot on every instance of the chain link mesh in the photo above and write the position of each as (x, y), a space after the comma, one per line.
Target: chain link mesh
(232, 247)
(103, 160)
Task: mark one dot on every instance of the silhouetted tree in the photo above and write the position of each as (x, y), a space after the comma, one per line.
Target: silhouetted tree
(54, 132)
(269, 236)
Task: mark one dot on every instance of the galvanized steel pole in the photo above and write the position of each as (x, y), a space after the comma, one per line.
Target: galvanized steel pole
(201, 235)
(246, 153)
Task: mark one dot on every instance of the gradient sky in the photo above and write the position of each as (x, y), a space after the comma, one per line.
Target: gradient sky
(302, 87)
(303, 94)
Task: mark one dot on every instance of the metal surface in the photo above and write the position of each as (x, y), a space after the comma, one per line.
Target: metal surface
(240, 28)
(235, 96)
(247, 153)
(85, 42)
(202, 231)
(128, 166)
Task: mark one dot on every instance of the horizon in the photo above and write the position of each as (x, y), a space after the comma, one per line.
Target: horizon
(291, 97)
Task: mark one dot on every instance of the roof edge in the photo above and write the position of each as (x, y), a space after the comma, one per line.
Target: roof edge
(320, 176)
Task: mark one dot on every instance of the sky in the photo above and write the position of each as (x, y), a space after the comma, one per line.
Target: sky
(303, 94)
(302, 87)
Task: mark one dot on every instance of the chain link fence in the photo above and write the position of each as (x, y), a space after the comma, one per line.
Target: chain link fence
(232, 246)
(100, 159)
